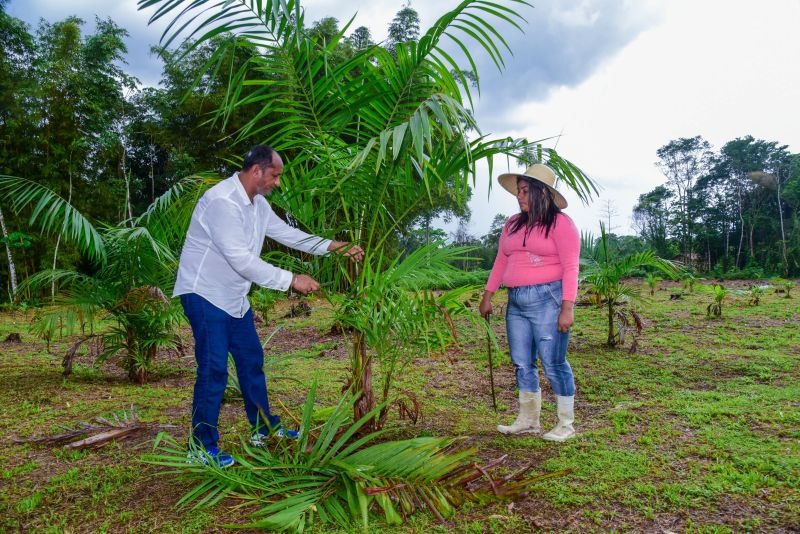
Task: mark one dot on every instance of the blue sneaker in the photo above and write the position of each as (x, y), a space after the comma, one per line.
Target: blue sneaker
(219, 458)
(257, 439)
(281, 432)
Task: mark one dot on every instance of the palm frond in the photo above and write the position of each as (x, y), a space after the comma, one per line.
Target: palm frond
(52, 214)
(333, 480)
(167, 218)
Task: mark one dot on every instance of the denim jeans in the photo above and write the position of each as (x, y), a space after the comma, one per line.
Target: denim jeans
(532, 330)
(215, 335)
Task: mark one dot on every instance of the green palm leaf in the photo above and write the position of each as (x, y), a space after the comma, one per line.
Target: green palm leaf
(320, 479)
(52, 214)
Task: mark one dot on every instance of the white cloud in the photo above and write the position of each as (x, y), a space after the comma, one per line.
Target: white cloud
(718, 69)
(582, 15)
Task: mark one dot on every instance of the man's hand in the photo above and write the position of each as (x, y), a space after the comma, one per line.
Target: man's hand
(355, 252)
(304, 284)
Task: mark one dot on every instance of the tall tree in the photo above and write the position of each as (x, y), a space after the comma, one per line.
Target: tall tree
(492, 237)
(683, 161)
(774, 178)
(732, 168)
(651, 219)
(16, 79)
(361, 38)
(404, 27)
(608, 211)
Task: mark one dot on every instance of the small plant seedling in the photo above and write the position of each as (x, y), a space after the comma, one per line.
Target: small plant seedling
(755, 295)
(715, 307)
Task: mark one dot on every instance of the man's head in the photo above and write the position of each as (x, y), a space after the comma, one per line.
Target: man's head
(261, 170)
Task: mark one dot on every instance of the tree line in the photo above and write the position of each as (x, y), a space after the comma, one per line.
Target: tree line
(732, 212)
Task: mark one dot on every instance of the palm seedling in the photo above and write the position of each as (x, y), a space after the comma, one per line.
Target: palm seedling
(755, 294)
(372, 139)
(606, 270)
(132, 271)
(788, 285)
(784, 285)
(652, 282)
(715, 308)
(689, 280)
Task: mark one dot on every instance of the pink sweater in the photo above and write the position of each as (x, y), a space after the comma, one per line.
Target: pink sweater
(540, 260)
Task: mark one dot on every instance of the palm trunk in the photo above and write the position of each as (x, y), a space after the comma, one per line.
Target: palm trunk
(387, 384)
(610, 340)
(362, 381)
(12, 270)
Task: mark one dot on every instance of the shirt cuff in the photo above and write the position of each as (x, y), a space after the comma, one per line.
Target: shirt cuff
(285, 280)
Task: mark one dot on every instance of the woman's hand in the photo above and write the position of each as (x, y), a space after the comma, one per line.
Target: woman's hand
(567, 316)
(485, 307)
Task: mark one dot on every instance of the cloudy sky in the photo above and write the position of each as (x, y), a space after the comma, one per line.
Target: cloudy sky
(616, 79)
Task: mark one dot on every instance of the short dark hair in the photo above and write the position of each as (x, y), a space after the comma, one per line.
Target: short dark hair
(260, 155)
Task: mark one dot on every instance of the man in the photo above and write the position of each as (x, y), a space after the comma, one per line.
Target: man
(219, 262)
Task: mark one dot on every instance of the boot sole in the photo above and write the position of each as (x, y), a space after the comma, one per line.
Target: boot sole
(525, 431)
(558, 438)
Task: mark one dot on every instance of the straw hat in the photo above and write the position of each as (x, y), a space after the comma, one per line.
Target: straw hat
(539, 172)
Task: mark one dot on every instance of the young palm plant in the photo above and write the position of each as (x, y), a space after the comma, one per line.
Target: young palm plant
(605, 270)
(756, 292)
(132, 269)
(331, 478)
(652, 282)
(689, 280)
(371, 139)
(784, 285)
(720, 293)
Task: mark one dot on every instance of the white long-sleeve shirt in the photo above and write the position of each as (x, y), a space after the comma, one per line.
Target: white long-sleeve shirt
(221, 255)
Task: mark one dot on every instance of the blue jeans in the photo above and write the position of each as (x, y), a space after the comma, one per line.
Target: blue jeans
(532, 329)
(215, 335)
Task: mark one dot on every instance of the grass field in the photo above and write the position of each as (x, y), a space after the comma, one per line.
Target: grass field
(698, 431)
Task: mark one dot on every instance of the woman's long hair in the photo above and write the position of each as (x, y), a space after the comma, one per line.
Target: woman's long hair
(542, 210)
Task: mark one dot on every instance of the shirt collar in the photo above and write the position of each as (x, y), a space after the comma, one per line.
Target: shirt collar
(243, 198)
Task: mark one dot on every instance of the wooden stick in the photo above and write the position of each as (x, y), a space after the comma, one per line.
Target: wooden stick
(491, 363)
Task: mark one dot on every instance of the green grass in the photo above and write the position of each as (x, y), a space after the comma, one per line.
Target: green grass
(699, 430)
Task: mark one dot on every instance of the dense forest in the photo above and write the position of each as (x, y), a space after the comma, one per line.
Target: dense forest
(73, 119)
(733, 211)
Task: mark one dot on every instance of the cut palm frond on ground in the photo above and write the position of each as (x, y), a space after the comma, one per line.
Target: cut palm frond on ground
(333, 475)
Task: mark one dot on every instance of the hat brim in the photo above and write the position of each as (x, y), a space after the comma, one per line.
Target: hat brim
(509, 183)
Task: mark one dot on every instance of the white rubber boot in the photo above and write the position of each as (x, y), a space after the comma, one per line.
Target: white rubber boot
(530, 406)
(566, 416)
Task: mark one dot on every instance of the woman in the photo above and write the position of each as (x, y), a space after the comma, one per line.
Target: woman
(537, 260)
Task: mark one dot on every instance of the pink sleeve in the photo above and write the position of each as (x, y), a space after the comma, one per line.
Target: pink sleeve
(499, 267)
(568, 244)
